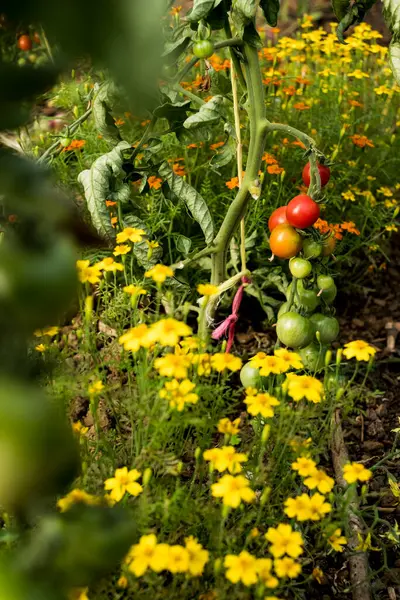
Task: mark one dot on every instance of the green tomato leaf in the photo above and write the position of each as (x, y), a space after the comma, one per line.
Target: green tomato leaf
(270, 9)
(141, 249)
(391, 11)
(243, 11)
(251, 36)
(98, 183)
(102, 117)
(209, 113)
(220, 83)
(200, 9)
(174, 112)
(340, 8)
(183, 244)
(175, 47)
(354, 15)
(192, 136)
(195, 203)
(394, 57)
(223, 155)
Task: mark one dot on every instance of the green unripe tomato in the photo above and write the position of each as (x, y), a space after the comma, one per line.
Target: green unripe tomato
(203, 49)
(324, 282)
(308, 299)
(328, 327)
(65, 141)
(313, 357)
(311, 248)
(300, 267)
(250, 376)
(329, 295)
(294, 331)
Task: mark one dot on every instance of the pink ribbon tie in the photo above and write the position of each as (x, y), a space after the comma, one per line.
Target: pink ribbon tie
(229, 323)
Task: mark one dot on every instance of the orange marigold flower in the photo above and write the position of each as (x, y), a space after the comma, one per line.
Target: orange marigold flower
(217, 145)
(350, 227)
(178, 169)
(303, 81)
(298, 143)
(301, 106)
(361, 141)
(269, 159)
(289, 91)
(275, 169)
(218, 63)
(175, 10)
(75, 145)
(355, 103)
(232, 183)
(198, 81)
(114, 221)
(110, 203)
(119, 122)
(144, 123)
(154, 182)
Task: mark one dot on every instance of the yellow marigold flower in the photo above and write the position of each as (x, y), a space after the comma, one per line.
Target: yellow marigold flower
(284, 541)
(272, 364)
(349, 196)
(224, 360)
(318, 575)
(78, 594)
(298, 508)
(198, 556)
(168, 332)
(225, 458)
(287, 567)
(229, 427)
(96, 388)
(320, 480)
(48, 331)
(131, 234)
(298, 445)
(134, 290)
(318, 507)
(292, 360)
(147, 554)
(108, 264)
(353, 472)
(40, 348)
(233, 490)
(123, 482)
(77, 497)
(241, 568)
(178, 559)
(359, 350)
(122, 249)
(358, 74)
(122, 582)
(304, 466)
(383, 89)
(77, 427)
(304, 386)
(189, 343)
(264, 571)
(337, 540)
(135, 338)
(255, 532)
(203, 363)
(391, 228)
(256, 361)
(261, 404)
(179, 393)
(173, 365)
(207, 289)
(365, 544)
(159, 273)
(86, 273)
(385, 191)
(272, 598)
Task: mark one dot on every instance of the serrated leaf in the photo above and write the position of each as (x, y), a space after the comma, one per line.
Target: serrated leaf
(394, 486)
(394, 58)
(102, 117)
(183, 243)
(200, 9)
(224, 155)
(121, 194)
(247, 8)
(195, 203)
(98, 183)
(141, 249)
(270, 9)
(340, 8)
(174, 112)
(192, 136)
(209, 113)
(391, 11)
(220, 84)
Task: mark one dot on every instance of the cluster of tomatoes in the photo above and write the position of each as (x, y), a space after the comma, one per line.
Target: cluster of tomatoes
(25, 41)
(299, 327)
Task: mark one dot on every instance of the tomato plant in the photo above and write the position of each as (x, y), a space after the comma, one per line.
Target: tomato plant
(285, 241)
(311, 248)
(328, 327)
(278, 217)
(203, 48)
(324, 173)
(302, 211)
(300, 267)
(325, 282)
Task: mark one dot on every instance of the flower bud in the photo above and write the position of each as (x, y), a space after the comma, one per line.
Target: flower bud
(328, 358)
(75, 111)
(265, 496)
(88, 308)
(179, 467)
(265, 434)
(339, 393)
(225, 511)
(147, 476)
(217, 566)
(318, 336)
(339, 355)
(197, 454)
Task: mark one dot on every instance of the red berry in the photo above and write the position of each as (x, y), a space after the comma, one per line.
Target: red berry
(302, 211)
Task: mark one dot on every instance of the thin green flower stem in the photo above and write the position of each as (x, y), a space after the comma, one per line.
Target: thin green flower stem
(190, 95)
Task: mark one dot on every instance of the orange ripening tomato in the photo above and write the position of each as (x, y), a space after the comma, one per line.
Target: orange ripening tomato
(285, 242)
(24, 43)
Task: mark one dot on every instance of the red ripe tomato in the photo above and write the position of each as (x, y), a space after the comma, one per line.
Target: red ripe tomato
(36, 38)
(278, 217)
(302, 211)
(285, 242)
(324, 173)
(24, 42)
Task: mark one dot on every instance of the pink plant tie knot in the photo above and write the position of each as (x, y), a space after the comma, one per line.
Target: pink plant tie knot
(230, 322)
